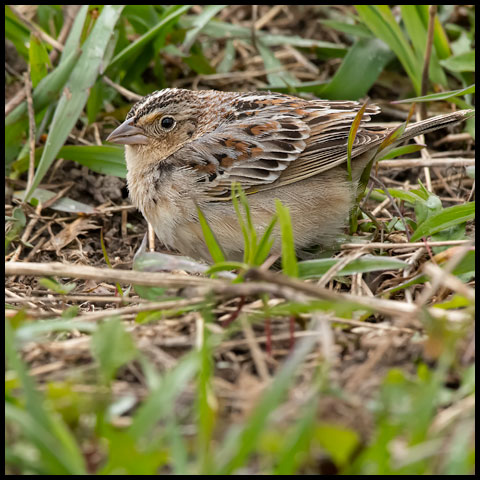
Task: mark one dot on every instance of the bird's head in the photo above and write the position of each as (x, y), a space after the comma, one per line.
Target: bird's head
(162, 122)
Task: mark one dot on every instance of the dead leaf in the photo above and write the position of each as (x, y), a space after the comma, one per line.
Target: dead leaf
(69, 233)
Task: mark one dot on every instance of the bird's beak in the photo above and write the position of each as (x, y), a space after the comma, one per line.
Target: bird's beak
(128, 134)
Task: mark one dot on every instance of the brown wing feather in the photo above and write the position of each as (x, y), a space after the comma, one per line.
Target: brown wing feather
(266, 133)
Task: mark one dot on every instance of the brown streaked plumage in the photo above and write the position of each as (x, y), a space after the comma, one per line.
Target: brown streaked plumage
(185, 148)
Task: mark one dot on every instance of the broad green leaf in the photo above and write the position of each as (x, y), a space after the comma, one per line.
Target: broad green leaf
(158, 404)
(460, 63)
(38, 59)
(105, 159)
(19, 220)
(141, 17)
(364, 61)
(76, 92)
(445, 219)
(199, 63)
(48, 90)
(226, 266)
(219, 29)
(31, 331)
(298, 442)
(57, 287)
(440, 40)
(63, 204)
(95, 101)
(410, 196)
(112, 347)
(340, 442)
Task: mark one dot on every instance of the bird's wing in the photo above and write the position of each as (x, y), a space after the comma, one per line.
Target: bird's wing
(273, 139)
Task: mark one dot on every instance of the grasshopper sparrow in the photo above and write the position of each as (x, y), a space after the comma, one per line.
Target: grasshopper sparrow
(185, 148)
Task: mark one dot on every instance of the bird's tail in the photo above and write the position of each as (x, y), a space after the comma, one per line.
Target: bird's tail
(434, 123)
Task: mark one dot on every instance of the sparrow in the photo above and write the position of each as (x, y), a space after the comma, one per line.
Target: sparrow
(184, 149)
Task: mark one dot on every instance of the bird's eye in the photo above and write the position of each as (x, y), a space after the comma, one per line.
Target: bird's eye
(167, 123)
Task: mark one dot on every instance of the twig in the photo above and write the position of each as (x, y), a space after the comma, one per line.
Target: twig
(267, 282)
(257, 354)
(151, 237)
(307, 333)
(269, 16)
(364, 370)
(336, 267)
(430, 162)
(57, 298)
(234, 314)
(122, 90)
(448, 280)
(439, 275)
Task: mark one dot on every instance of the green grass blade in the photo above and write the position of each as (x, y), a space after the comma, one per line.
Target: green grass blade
(351, 137)
(381, 22)
(47, 432)
(135, 48)
(72, 44)
(199, 23)
(265, 244)
(439, 96)
(236, 188)
(212, 243)
(271, 62)
(289, 259)
(240, 444)
(16, 32)
(159, 403)
(206, 402)
(417, 31)
(405, 150)
(75, 96)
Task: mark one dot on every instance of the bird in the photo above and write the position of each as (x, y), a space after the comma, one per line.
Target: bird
(185, 148)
